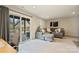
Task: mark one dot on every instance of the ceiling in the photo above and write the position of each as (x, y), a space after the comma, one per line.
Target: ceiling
(51, 11)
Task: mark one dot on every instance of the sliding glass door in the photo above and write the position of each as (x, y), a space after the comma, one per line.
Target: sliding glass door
(25, 25)
(19, 29)
(14, 29)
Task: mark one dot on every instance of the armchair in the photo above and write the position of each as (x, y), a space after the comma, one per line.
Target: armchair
(43, 34)
(59, 33)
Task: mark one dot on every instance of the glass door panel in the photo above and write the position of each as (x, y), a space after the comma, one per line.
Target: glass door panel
(14, 29)
(18, 28)
(11, 28)
(25, 29)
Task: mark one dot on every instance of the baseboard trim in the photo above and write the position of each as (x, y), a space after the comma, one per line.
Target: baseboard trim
(72, 36)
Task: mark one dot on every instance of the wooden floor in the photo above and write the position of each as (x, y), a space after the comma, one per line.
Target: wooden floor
(6, 48)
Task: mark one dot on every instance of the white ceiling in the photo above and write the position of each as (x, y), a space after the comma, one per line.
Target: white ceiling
(51, 11)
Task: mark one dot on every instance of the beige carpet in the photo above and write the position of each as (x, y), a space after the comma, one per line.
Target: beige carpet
(65, 45)
(76, 43)
(65, 39)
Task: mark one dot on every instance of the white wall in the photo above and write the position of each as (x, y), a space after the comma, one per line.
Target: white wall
(71, 25)
(35, 22)
(42, 23)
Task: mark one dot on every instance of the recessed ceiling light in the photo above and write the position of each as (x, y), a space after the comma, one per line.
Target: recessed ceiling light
(73, 12)
(34, 6)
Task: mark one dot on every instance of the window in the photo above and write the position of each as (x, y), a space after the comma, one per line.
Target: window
(50, 23)
(55, 24)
